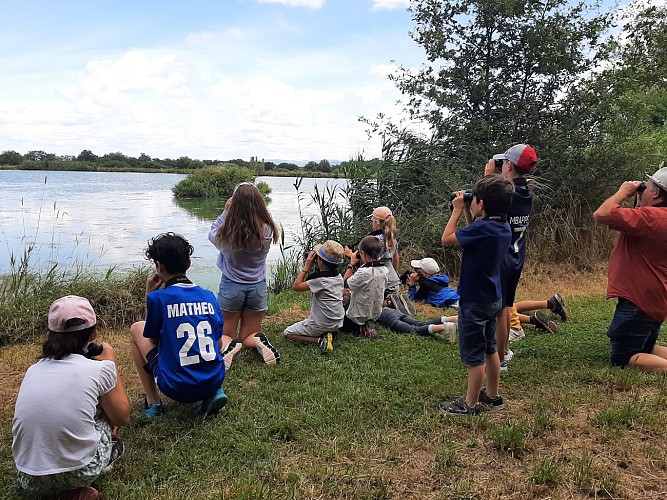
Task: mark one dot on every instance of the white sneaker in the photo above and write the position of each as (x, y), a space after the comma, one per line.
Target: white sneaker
(516, 334)
(509, 354)
(450, 332)
(503, 366)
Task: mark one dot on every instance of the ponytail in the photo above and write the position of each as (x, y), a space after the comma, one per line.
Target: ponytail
(389, 231)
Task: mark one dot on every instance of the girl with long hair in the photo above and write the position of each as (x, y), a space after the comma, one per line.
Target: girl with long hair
(384, 229)
(243, 234)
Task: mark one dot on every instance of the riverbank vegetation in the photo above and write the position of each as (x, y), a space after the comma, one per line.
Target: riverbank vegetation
(363, 421)
(218, 183)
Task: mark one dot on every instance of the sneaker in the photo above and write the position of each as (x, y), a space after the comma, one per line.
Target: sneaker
(117, 449)
(407, 304)
(228, 354)
(156, 410)
(214, 404)
(450, 332)
(83, 493)
(558, 306)
(503, 366)
(516, 334)
(490, 403)
(269, 354)
(326, 343)
(368, 330)
(509, 354)
(460, 407)
(540, 320)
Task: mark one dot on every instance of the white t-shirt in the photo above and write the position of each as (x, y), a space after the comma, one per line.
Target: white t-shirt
(54, 420)
(367, 286)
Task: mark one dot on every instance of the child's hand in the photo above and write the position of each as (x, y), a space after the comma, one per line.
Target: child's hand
(153, 283)
(458, 201)
(490, 167)
(348, 252)
(228, 204)
(413, 279)
(107, 353)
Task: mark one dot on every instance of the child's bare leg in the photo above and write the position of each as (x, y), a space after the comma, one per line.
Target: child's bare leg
(503, 331)
(140, 347)
(492, 375)
(530, 305)
(475, 382)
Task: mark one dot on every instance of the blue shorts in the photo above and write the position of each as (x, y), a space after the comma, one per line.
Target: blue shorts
(477, 331)
(235, 297)
(631, 332)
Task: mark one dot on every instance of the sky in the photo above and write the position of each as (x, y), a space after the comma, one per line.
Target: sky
(208, 79)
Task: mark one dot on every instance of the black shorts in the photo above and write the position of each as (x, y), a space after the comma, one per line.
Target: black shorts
(151, 365)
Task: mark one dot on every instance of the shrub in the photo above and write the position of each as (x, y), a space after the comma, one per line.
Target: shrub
(212, 182)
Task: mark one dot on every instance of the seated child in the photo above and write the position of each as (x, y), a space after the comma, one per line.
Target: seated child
(66, 407)
(427, 284)
(178, 345)
(555, 304)
(399, 322)
(485, 241)
(326, 296)
(366, 288)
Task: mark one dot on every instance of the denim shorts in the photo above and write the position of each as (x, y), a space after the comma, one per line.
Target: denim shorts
(631, 332)
(477, 331)
(235, 297)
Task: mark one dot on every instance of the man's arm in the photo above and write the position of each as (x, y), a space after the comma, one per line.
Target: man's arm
(627, 190)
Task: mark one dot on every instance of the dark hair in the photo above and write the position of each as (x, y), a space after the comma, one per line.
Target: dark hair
(60, 344)
(371, 246)
(329, 265)
(172, 251)
(496, 192)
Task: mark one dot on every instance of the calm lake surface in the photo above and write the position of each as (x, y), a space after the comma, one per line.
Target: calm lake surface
(104, 219)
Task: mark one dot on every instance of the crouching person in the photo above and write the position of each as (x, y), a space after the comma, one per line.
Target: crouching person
(325, 285)
(177, 347)
(66, 407)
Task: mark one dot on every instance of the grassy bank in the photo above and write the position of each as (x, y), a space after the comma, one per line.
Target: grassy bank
(363, 422)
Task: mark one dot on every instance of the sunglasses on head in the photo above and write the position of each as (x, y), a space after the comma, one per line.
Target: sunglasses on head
(243, 184)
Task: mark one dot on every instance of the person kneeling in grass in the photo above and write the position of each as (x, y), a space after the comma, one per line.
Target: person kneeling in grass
(325, 285)
(66, 407)
(484, 241)
(177, 347)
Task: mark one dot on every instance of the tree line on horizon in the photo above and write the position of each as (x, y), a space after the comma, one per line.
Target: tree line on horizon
(42, 160)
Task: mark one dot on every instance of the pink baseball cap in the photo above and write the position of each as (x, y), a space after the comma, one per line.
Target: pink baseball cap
(71, 307)
(381, 213)
(522, 155)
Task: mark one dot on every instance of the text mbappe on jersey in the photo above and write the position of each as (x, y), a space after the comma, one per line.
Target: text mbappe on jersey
(520, 219)
(189, 309)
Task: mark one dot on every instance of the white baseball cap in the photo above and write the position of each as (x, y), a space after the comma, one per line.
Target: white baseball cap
(427, 264)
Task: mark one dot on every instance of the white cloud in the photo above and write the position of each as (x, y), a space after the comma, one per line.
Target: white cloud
(390, 4)
(313, 4)
(199, 38)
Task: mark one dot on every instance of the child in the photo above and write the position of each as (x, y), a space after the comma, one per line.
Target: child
(427, 284)
(366, 288)
(517, 162)
(484, 243)
(400, 322)
(243, 234)
(326, 296)
(66, 407)
(178, 344)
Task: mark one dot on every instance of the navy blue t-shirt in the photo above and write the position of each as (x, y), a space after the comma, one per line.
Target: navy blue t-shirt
(187, 321)
(518, 216)
(484, 244)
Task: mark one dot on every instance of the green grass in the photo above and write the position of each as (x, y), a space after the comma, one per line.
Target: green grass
(363, 422)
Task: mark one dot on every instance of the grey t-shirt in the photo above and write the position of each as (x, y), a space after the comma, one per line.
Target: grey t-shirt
(366, 293)
(54, 420)
(326, 302)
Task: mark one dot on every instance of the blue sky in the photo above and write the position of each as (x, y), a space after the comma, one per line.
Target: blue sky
(206, 79)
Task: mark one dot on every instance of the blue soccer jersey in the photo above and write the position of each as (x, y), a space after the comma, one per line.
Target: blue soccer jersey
(187, 322)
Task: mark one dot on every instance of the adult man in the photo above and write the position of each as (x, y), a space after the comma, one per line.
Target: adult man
(638, 272)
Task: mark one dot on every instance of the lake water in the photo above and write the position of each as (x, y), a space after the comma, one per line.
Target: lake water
(104, 219)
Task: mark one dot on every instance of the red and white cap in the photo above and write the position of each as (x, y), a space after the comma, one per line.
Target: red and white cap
(522, 155)
(71, 307)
